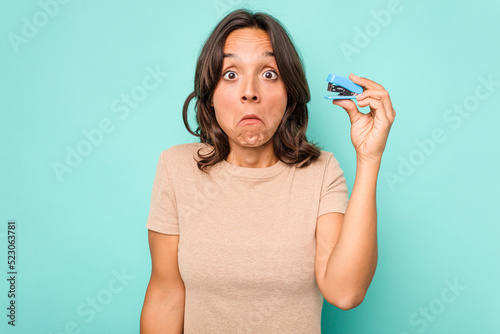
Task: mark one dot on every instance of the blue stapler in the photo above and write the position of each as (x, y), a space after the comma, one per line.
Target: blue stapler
(345, 88)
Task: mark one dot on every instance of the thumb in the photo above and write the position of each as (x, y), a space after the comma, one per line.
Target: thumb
(350, 108)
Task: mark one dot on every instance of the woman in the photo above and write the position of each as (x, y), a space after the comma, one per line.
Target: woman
(251, 227)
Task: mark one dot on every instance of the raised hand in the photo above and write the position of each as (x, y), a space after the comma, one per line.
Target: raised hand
(369, 131)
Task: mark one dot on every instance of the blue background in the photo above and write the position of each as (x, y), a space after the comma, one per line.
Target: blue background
(81, 235)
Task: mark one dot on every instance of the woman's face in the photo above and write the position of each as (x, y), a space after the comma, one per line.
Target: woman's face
(250, 86)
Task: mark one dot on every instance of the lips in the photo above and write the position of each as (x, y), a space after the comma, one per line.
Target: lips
(251, 116)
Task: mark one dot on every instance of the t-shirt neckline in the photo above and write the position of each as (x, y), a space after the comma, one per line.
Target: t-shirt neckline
(253, 173)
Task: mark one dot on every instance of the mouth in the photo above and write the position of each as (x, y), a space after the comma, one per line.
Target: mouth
(250, 119)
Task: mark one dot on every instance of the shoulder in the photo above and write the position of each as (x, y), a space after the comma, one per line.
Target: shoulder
(326, 164)
(325, 155)
(181, 152)
(325, 159)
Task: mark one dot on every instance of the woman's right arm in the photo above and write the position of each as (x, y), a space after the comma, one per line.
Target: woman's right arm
(163, 309)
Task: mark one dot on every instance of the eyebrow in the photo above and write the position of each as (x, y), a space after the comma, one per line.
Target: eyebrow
(264, 54)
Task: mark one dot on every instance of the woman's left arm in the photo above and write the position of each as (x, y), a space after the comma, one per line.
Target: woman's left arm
(347, 244)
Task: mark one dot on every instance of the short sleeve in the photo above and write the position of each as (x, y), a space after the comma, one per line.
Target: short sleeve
(334, 195)
(162, 212)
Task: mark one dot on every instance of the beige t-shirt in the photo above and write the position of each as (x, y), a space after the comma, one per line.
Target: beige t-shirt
(247, 239)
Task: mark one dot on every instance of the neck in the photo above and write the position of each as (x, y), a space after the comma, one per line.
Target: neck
(253, 157)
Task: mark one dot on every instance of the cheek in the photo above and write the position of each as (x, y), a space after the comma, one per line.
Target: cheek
(223, 94)
(220, 106)
(221, 118)
(279, 94)
(223, 104)
(279, 100)
(224, 117)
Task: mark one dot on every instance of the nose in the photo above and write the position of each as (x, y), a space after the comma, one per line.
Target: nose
(250, 90)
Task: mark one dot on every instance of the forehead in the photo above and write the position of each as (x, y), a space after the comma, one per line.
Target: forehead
(247, 38)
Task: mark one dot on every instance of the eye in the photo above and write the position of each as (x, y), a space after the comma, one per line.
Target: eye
(271, 75)
(230, 75)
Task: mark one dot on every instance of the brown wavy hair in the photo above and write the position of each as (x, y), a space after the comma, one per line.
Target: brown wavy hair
(289, 142)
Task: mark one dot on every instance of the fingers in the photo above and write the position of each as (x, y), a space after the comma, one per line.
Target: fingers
(364, 82)
(378, 109)
(374, 103)
(377, 94)
(350, 107)
(374, 95)
(376, 91)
